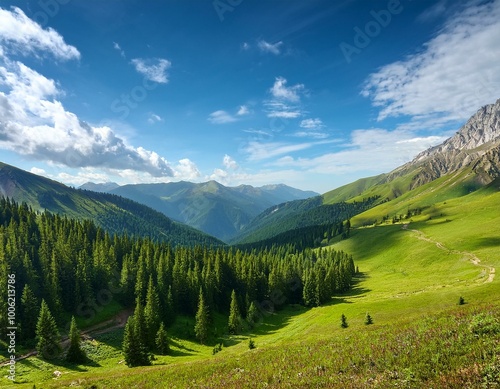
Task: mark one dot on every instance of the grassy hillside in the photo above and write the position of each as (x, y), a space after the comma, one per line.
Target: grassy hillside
(410, 282)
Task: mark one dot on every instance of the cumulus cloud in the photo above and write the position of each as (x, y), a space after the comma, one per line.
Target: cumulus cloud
(154, 69)
(186, 170)
(229, 162)
(266, 47)
(36, 124)
(21, 35)
(454, 74)
(281, 91)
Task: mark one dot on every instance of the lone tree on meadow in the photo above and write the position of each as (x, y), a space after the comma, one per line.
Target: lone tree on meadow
(75, 353)
(343, 321)
(47, 334)
(368, 319)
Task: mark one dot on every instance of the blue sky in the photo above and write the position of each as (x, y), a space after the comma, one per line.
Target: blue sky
(314, 94)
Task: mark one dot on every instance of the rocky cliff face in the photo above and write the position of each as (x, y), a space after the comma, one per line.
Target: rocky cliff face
(476, 144)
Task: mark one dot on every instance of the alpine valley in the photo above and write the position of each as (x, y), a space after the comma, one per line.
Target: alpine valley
(389, 281)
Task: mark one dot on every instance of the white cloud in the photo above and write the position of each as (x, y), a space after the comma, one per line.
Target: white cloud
(34, 123)
(154, 118)
(285, 103)
(38, 171)
(371, 151)
(266, 47)
(454, 74)
(243, 110)
(281, 92)
(221, 117)
(229, 163)
(312, 124)
(186, 170)
(311, 134)
(21, 35)
(118, 48)
(154, 69)
(258, 151)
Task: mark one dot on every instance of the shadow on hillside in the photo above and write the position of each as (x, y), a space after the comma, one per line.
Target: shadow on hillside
(489, 241)
(180, 346)
(271, 321)
(372, 241)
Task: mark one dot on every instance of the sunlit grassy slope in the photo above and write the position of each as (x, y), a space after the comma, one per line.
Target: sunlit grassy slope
(410, 282)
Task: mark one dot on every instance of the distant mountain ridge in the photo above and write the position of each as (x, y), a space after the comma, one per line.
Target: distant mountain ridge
(103, 187)
(113, 213)
(211, 207)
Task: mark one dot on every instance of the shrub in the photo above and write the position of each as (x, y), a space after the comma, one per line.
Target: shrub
(251, 344)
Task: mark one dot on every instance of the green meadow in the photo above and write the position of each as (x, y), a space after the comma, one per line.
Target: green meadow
(411, 277)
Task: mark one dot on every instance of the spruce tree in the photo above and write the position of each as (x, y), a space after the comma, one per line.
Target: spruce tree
(234, 323)
(134, 352)
(252, 315)
(152, 313)
(343, 321)
(75, 353)
(47, 334)
(29, 314)
(161, 340)
(368, 319)
(202, 319)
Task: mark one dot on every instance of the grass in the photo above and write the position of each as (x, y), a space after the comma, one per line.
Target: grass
(410, 283)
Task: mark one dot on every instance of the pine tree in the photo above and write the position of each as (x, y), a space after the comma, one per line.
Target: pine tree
(161, 340)
(252, 315)
(202, 319)
(368, 319)
(47, 334)
(234, 323)
(134, 352)
(343, 321)
(152, 313)
(75, 353)
(29, 313)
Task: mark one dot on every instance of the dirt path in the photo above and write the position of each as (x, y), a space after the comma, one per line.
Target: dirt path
(118, 321)
(470, 256)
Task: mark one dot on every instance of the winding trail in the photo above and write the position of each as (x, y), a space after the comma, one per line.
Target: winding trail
(470, 256)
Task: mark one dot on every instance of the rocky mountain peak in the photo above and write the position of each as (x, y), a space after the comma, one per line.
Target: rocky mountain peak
(477, 139)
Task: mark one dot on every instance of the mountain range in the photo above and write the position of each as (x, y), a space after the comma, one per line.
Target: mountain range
(211, 207)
